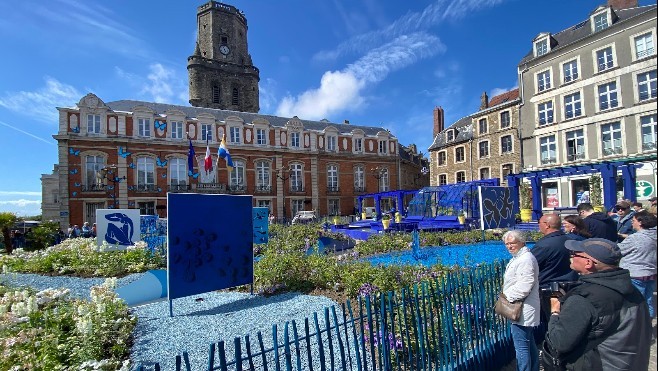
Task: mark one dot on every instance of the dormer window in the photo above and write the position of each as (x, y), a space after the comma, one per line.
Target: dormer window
(541, 47)
(450, 136)
(600, 22)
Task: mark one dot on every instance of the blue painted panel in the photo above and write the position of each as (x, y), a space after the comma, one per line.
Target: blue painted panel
(261, 224)
(497, 207)
(210, 243)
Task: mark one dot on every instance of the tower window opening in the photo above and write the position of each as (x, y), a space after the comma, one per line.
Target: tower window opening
(215, 94)
(236, 97)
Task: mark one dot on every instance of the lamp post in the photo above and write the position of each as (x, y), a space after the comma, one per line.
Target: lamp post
(424, 171)
(283, 174)
(378, 172)
(108, 173)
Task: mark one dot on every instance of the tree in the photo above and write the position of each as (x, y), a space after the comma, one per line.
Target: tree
(7, 221)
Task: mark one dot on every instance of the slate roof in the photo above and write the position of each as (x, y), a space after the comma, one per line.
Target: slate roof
(221, 115)
(584, 29)
(464, 126)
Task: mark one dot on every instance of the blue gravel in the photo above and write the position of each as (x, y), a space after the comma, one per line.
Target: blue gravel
(199, 320)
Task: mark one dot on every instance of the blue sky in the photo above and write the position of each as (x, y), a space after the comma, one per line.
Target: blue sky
(374, 62)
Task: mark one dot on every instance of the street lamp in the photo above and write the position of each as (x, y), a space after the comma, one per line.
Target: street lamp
(424, 171)
(378, 172)
(283, 174)
(109, 173)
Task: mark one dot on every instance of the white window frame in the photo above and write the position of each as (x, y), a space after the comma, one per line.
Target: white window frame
(332, 177)
(92, 168)
(296, 176)
(333, 206)
(359, 178)
(551, 147)
(608, 93)
(488, 147)
(95, 124)
(502, 167)
(176, 129)
(207, 132)
(544, 49)
(564, 74)
(649, 82)
(383, 146)
(263, 178)
(579, 138)
(238, 175)
(573, 104)
(450, 136)
(480, 172)
(143, 127)
(332, 143)
(235, 134)
(177, 171)
(616, 147)
(357, 145)
(651, 33)
(599, 25)
(384, 183)
(445, 179)
(445, 159)
(652, 122)
(261, 136)
(543, 80)
(483, 123)
(547, 112)
(612, 56)
(457, 176)
(296, 205)
(146, 166)
(511, 139)
(509, 118)
(455, 153)
(295, 139)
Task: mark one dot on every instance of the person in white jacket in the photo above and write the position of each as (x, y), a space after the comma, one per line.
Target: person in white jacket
(521, 282)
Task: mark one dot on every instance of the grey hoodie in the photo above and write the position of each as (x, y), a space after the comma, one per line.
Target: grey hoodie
(638, 252)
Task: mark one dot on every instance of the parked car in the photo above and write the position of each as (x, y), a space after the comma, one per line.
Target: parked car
(304, 217)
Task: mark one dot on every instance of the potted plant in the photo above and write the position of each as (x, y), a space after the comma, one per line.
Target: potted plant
(386, 221)
(595, 194)
(525, 200)
(461, 217)
(336, 219)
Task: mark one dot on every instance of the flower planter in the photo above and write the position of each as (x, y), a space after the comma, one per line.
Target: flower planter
(398, 217)
(526, 215)
(598, 209)
(462, 219)
(364, 216)
(386, 223)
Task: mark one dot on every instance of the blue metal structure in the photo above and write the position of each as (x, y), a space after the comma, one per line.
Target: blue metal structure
(449, 200)
(398, 195)
(607, 169)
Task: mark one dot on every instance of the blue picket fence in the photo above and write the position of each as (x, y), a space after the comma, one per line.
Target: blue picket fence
(443, 324)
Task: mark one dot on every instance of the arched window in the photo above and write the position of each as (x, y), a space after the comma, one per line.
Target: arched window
(262, 176)
(359, 179)
(177, 174)
(145, 174)
(238, 182)
(384, 181)
(332, 178)
(296, 178)
(236, 97)
(93, 164)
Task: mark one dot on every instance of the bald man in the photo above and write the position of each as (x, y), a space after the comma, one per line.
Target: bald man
(551, 255)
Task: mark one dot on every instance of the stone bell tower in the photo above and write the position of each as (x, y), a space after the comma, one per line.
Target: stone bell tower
(220, 71)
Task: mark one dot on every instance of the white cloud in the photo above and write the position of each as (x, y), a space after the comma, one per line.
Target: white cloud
(497, 91)
(19, 193)
(162, 84)
(21, 203)
(342, 90)
(432, 15)
(40, 104)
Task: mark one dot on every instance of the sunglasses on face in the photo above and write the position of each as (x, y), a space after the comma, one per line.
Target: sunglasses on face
(576, 255)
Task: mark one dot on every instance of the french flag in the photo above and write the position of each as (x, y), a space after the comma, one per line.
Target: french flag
(208, 160)
(223, 153)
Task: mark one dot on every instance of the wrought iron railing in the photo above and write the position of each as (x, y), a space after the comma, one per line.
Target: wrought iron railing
(145, 188)
(210, 187)
(179, 188)
(263, 189)
(93, 187)
(333, 189)
(297, 188)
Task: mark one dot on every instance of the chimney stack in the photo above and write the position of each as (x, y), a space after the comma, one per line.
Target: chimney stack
(438, 121)
(622, 4)
(484, 101)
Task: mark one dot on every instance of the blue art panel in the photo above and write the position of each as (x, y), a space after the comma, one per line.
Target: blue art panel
(496, 208)
(120, 228)
(210, 243)
(261, 224)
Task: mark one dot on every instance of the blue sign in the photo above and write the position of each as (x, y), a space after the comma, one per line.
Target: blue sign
(496, 208)
(210, 243)
(261, 224)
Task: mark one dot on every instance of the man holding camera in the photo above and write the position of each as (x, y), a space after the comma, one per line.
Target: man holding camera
(603, 323)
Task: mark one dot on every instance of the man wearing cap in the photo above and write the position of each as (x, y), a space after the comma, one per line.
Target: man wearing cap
(625, 214)
(598, 223)
(653, 209)
(602, 324)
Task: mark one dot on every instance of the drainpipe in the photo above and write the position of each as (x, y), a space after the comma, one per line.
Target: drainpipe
(470, 155)
(518, 129)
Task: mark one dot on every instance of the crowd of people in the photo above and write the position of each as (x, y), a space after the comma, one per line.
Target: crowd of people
(586, 289)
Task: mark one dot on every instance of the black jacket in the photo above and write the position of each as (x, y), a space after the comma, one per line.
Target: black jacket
(553, 259)
(608, 309)
(600, 225)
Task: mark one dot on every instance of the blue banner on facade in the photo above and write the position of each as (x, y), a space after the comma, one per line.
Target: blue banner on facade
(210, 243)
(496, 208)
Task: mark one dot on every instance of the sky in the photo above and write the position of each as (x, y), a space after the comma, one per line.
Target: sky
(380, 63)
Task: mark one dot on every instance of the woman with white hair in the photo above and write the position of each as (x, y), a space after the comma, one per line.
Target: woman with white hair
(521, 282)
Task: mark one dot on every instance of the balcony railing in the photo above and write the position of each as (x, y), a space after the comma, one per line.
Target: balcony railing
(548, 160)
(333, 189)
(237, 188)
(93, 187)
(263, 189)
(211, 188)
(174, 188)
(297, 188)
(612, 151)
(146, 188)
(647, 146)
(359, 189)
